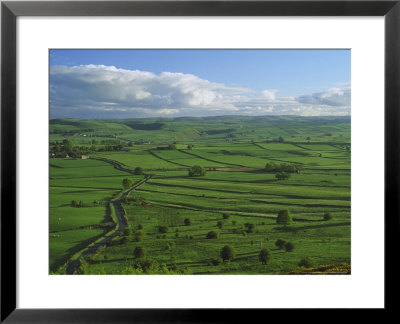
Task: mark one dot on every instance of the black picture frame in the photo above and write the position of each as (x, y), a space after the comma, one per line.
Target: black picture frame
(10, 10)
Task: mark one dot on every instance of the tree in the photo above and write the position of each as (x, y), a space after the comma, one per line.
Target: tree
(228, 253)
(187, 221)
(272, 166)
(138, 170)
(225, 216)
(74, 203)
(190, 146)
(139, 252)
(126, 183)
(163, 229)
(172, 146)
(327, 216)
(139, 236)
(212, 235)
(281, 139)
(280, 243)
(127, 231)
(289, 247)
(68, 145)
(197, 171)
(284, 217)
(282, 175)
(250, 227)
(264, 256)
(306, 262)
(219, 224)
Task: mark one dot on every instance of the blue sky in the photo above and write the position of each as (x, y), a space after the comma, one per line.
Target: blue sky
(169, 83)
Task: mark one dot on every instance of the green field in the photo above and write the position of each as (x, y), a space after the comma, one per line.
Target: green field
(234, 151)
(89, 182)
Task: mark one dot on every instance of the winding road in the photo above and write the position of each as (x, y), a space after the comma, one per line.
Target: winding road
(72, 266)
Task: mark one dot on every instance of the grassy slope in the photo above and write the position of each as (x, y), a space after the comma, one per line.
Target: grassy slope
(236, 186)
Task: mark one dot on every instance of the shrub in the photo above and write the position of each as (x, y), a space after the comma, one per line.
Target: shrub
(250, 227)
(216, 261)
(212, 235)
(264, 256)
(127, 231)
(196, 171)
(327, 216)
(281, 167)
(280, 243)
(140, 226)
(139, 252)
(138, 170)
(306, 262)
(124, 240)
(225, 216)
(282, 175)
(284, 217)
(187, 221)
(163, 229)
(169, 245)
(228, 253)
(126, 183)
(139, 236)
(289, 246)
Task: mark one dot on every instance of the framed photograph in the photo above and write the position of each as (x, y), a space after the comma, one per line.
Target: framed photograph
(189, 156)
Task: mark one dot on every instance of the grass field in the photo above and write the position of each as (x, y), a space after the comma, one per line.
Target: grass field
(89, 182)
(170, 216)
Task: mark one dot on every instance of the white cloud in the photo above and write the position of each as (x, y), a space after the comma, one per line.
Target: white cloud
(269, 94)
(336, 97)
(106, 91)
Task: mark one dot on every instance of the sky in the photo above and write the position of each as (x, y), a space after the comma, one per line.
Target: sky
(171, 83)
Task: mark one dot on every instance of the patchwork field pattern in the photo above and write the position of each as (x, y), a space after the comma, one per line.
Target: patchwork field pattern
(170, 216)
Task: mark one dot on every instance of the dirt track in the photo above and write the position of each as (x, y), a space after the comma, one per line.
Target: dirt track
(72, 266)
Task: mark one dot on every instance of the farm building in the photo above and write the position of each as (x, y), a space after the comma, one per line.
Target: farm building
(84, 157)
(124, 150)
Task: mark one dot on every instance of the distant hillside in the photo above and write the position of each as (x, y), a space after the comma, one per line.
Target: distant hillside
(220, 128)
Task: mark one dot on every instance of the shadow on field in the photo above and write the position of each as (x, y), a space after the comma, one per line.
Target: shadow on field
(299, 205)
(245, 192)
(192, 264)
(296, 229)
(304, 220)
(112, 260)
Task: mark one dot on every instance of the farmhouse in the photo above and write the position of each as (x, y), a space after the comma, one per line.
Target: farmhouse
(84, 157)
